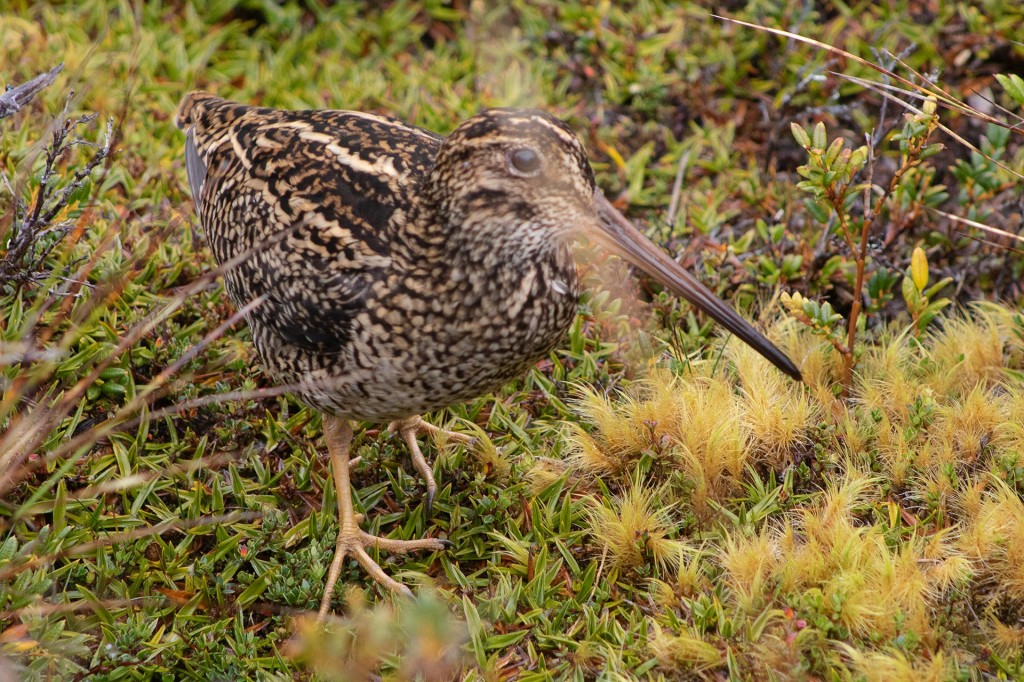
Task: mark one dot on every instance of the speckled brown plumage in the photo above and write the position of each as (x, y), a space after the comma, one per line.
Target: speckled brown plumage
(398, 272)
(388, 294)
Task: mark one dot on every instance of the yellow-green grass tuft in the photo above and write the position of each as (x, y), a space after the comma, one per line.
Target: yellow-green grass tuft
(685, 652)
(634, 531)
(777, 413)
(897, 666)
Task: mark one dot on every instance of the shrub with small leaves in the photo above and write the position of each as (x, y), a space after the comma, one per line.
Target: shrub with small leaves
(831, 178)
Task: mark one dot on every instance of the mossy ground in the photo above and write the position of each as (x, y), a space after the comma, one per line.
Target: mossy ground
(650, 502)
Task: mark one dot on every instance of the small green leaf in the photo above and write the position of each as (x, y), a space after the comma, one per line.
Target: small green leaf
(801, 136)
(501, 641)
(833, 151)
(8, 549)
(938, 286)
(910, 293)
(818, 210)
(113, 390)
(859, 157)
(476, 631)
(60, 507)
(1013, 85)
(819, 140)
(256, 587)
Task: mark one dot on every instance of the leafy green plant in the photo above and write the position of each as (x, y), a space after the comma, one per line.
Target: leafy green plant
(830, 177)
(1013, 85)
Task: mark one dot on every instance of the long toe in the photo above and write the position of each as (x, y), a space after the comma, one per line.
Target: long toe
(378, 574)
(410, 429)
(425, 428)
(354, 543)
(404, 546)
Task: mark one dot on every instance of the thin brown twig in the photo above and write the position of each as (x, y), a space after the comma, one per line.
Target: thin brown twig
(39, 610)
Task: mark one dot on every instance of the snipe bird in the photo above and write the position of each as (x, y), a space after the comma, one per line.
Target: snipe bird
(398, 271)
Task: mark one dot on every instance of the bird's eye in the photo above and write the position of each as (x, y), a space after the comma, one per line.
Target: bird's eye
(524, 162)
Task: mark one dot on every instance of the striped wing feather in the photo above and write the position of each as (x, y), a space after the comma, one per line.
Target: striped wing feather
(305, 201)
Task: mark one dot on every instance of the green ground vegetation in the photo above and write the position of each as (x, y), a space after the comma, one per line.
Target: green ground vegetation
(653, 501)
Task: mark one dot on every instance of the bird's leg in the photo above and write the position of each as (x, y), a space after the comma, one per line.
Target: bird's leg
(415, 426)
(351, 540)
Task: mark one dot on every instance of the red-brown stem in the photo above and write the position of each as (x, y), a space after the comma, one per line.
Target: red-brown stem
(860, 255)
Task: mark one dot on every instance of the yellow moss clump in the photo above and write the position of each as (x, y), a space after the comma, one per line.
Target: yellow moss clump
(967, 350)
(748, 563)
(644, 419)
(894, 450)
(635, 530)
(886, 379)
(693, 425)
(896, 666)
(965, 427)
(854, 435)
(819, 364)
(993, 537)
(690, 580)
(947, 403)
(684, 652)
(825, 547)
(544, 472)
(1008, 640)
(777, 412)
(712, 441)
(1010, 433)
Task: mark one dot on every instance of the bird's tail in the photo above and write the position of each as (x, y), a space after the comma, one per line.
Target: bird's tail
(194, 117)
(191, 108)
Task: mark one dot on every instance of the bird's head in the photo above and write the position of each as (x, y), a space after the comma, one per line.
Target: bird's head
(514, 175)
(514, 182)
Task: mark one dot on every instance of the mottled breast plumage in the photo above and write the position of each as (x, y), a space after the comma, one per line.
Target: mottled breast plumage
(373, 307)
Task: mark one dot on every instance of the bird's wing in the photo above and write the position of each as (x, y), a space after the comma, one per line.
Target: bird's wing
(306, 202)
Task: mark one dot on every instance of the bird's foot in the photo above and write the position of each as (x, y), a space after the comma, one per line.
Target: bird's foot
(412, 427)
(353, 542)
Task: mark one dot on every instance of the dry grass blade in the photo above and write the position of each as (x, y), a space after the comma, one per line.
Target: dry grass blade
(978, 225)
(24, 434)
(982, 226)
(677, 187)
(43, 610)
(941, 97)
(881, 89)
(212, 463)
(989, 242)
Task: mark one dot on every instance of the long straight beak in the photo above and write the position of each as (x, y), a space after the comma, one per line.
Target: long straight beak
(626, 241)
